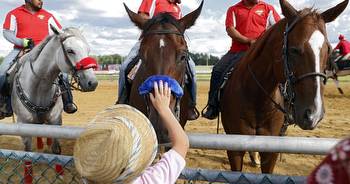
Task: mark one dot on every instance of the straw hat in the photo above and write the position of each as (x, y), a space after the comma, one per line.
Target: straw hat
(116, 146)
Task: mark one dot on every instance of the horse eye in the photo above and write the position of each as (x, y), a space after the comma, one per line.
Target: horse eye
(182, 57)
(70, 51)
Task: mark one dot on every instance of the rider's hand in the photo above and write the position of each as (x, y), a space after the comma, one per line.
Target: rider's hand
(28, 43)
(161, 97)
(251, 42)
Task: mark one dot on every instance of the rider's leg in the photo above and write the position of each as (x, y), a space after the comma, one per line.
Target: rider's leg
(122, 96)
(5, 65)
(192, 113)
(5, 101)
(67, 96)
(217, 75)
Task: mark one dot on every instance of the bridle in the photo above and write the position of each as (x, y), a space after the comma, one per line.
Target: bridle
(288, 87)
(85, 63)
(179, 32)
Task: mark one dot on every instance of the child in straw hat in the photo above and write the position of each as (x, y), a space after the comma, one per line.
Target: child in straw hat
(120, 148)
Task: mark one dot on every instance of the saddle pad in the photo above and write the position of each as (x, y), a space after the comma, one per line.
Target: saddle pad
(133, 71)
(147, 86)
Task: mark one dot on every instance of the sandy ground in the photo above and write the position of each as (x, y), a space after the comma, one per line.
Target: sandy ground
(336, 124)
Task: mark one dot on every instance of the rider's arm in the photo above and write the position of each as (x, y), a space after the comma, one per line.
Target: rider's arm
(145, 8)
(53, 21)
(231, 28)
(273, 17)
(237, 36)
(11, 37)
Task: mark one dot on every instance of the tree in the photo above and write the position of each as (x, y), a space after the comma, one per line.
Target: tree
(1, 59)
(204, 59)
(109, 59)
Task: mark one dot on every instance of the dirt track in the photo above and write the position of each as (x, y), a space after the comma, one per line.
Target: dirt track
(335, 124)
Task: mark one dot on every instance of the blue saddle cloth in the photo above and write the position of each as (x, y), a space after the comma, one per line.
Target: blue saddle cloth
(147, 86)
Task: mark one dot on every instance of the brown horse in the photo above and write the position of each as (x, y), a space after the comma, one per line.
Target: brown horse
(292, 53)
(163, 51)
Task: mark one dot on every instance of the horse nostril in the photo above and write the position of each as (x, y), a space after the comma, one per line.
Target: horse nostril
(90, 83)
(307, 115)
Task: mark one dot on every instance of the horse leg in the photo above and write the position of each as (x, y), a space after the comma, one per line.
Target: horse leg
(39, 143)
(236, 160)
(28, 169)
(56, 149)
(254, 158)
(336, 81)
(268, 161)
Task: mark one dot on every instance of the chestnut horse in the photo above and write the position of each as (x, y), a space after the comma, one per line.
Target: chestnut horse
(291, 55)
(163, 51)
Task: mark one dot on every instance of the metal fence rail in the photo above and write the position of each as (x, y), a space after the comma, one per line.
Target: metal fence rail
(295, 145)
(43, 166)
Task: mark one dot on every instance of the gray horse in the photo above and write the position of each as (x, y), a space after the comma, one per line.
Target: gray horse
(35, 93)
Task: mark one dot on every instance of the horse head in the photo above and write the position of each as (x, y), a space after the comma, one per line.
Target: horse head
(163, 51)
(74, 58)
(305, 53)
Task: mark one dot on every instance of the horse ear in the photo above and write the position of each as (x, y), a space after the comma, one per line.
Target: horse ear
(55, 30)
(287, 9)
(189, 20)
(138, 20)
(333, 13)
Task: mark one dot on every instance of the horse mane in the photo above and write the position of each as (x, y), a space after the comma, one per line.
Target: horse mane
(162, 18)
(76, 32)
(38, 49)
(256, 48)
(67, 31)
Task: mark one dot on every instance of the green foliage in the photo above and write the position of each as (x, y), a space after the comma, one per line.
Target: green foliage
(198, 58)
(109, 59)
(1, 59)
(204, 59)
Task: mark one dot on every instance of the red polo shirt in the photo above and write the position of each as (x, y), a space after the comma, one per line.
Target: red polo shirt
(27, 25)
(251, 23)
(161, 6)
(344, 47)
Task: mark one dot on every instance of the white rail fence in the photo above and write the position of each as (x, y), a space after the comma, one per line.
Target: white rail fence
(295, 145)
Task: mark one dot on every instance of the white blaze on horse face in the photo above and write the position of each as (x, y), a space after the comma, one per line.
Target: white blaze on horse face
(316, 42)
(161, 43)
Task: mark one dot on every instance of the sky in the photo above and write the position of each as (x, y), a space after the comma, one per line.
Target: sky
(108, 29)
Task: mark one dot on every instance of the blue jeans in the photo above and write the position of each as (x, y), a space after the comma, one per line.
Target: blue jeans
(133, 53)
(220, 69)
(6, 64)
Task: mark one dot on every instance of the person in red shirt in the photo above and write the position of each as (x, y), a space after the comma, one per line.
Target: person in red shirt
(344, 48)
(160, 6)
(246, 21)
(26, 26)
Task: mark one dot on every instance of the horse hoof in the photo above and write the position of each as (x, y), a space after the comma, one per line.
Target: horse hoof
(341, 91)
(56, 149)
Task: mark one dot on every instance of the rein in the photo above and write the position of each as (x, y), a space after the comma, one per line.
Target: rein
(287, 88)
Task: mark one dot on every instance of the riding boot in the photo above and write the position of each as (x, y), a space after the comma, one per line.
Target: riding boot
(67, 98)
(212, 109)
(192, 112)
(5, 106)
